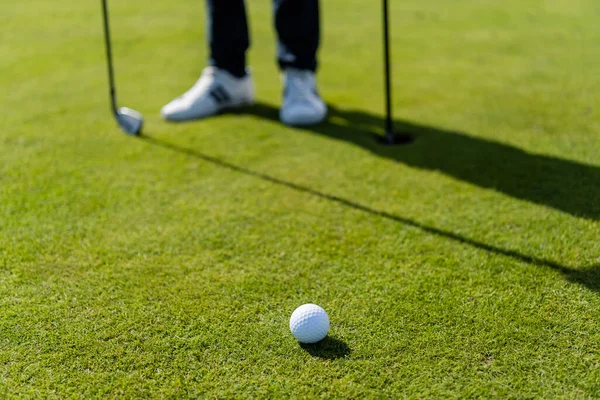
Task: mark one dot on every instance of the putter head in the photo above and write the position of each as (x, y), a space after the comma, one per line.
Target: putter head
(130, 121)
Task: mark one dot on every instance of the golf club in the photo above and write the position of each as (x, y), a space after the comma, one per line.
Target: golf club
(130, 121)
(391, 137)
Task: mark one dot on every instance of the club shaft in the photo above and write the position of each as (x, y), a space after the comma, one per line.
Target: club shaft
(388, 78)
(109, 59)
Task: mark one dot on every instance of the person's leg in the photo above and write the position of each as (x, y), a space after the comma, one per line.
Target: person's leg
(227, 29)
(225, 84)
(297, 24)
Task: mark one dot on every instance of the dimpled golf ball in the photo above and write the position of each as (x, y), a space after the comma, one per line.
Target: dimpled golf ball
(309, 323)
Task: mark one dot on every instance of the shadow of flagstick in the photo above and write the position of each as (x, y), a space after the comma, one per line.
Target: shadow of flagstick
(588, 277)
(565, 185)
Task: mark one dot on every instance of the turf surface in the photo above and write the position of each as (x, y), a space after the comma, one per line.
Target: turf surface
(464, 265)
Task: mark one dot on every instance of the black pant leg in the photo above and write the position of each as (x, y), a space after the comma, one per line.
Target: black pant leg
(298, 27)
(228, 35)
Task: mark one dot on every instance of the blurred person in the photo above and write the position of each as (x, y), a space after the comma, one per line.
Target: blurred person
(227, 82)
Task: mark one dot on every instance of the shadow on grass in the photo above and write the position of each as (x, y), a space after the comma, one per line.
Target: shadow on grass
(328, 349)
(588, 277)
(564, 185)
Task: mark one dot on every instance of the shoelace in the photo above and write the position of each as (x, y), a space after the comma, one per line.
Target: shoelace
(207, 74)
(302, 82)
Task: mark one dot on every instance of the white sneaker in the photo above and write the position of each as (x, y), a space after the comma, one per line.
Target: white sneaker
(216, 90)
(302, 104)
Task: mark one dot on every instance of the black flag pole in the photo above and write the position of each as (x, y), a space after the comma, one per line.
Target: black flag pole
(391, 136)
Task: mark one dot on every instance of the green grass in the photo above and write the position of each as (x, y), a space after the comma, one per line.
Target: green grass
(464, 265)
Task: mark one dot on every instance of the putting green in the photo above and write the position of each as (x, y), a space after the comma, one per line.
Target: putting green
(463, 265)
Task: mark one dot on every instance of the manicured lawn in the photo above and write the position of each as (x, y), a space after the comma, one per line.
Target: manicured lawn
(466, 264)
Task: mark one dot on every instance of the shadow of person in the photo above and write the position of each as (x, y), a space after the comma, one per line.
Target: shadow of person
(564, 185)
(328, 349)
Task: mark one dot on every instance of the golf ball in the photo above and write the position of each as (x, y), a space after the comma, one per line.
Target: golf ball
(309, 323)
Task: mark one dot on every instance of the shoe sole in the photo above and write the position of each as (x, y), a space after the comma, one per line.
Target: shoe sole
(302, 123)
(204, 116)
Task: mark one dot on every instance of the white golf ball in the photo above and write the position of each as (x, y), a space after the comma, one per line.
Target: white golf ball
(309, 323)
